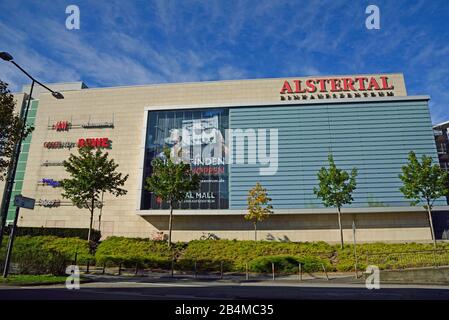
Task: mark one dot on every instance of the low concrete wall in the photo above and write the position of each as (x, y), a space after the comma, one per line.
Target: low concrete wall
(438, 275)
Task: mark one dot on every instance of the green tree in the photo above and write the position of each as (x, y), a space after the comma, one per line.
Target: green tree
(171, 182)
(335, 188)
(424, 182)
(11, 126)
(92, 173)
(258, 206)
(12, 130)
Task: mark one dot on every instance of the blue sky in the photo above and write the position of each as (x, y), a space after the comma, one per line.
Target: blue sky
(143, 42)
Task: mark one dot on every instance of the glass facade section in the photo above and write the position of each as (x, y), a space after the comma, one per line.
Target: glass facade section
(195, 137)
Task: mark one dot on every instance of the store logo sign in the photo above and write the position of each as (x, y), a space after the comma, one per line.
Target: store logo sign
(61, 126)
(91, 142)
(97, 125)
(67, 125)
(59, 145)
(51, 183)
(52, 163)
(49, 203)
(331, 88)
(94, 142)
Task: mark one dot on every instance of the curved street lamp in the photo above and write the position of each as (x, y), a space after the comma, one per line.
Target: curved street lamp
(15, 159)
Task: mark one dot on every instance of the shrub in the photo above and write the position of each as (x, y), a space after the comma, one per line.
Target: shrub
(81, 233)
(288, 264)
(46, 254)
(131, 251)
(70, 247)
(235, 254)
(391, 255)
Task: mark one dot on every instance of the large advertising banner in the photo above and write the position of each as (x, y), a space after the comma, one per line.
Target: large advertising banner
(195, 137)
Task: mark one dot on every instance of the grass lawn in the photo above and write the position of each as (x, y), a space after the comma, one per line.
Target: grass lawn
(29, 279)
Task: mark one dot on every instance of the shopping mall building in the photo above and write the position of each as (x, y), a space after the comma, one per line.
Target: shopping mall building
(278, 132)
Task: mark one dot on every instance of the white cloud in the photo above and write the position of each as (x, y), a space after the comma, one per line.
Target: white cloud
(166, 41)
(229, 72)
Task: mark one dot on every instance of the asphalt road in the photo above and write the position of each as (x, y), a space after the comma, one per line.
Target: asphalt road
(226, 291)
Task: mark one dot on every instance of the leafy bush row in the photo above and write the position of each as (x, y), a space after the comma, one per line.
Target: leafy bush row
(46, 254)
(288, 264)
(239, 253)
(50, 254)
(81, 233)
(234, 256)
(134, 251)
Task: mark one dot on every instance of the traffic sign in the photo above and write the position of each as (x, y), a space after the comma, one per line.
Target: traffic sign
(24, 202)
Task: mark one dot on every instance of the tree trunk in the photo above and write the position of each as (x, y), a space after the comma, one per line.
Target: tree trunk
(339, 225)
(91, 220)
(255, 231)
(101, 212)
(170, 224)
(90, 225)
(99, 222)
(429, 212)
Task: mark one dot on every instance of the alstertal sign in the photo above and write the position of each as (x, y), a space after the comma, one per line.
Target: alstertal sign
(337, 87)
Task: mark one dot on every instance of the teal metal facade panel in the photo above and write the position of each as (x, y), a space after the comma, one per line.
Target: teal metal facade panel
(21, 166)
(374, 137)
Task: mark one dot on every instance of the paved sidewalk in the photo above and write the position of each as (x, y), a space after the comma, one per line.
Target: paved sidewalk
(227, 277)
(418, 276)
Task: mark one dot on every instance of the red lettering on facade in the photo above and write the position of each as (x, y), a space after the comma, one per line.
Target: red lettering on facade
(298, 87)
(97, 142)
(335, 85)
(61, 126)
(105, 143)
(310, 86)
(348, 84)
(322, 83)
(373, 84)
(94, 142)
(328, 85)
(286, 87)
(385, 85)
(361, 82)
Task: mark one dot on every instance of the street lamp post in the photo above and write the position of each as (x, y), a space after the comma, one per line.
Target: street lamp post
(15, 157)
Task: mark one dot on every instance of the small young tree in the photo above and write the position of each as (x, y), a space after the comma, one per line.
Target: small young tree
(91, 175)
(424, 182)
(335, 188)
(171, 182)
(258, 206)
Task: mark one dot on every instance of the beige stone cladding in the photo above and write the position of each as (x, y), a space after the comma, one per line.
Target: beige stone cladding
(370, 227)
(125, 107)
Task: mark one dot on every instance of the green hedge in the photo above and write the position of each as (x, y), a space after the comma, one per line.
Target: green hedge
(392, 255)
(209, 254)
(81, 233)
(46, 254)
(236, 254)
(288, 264)
(132, 251)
